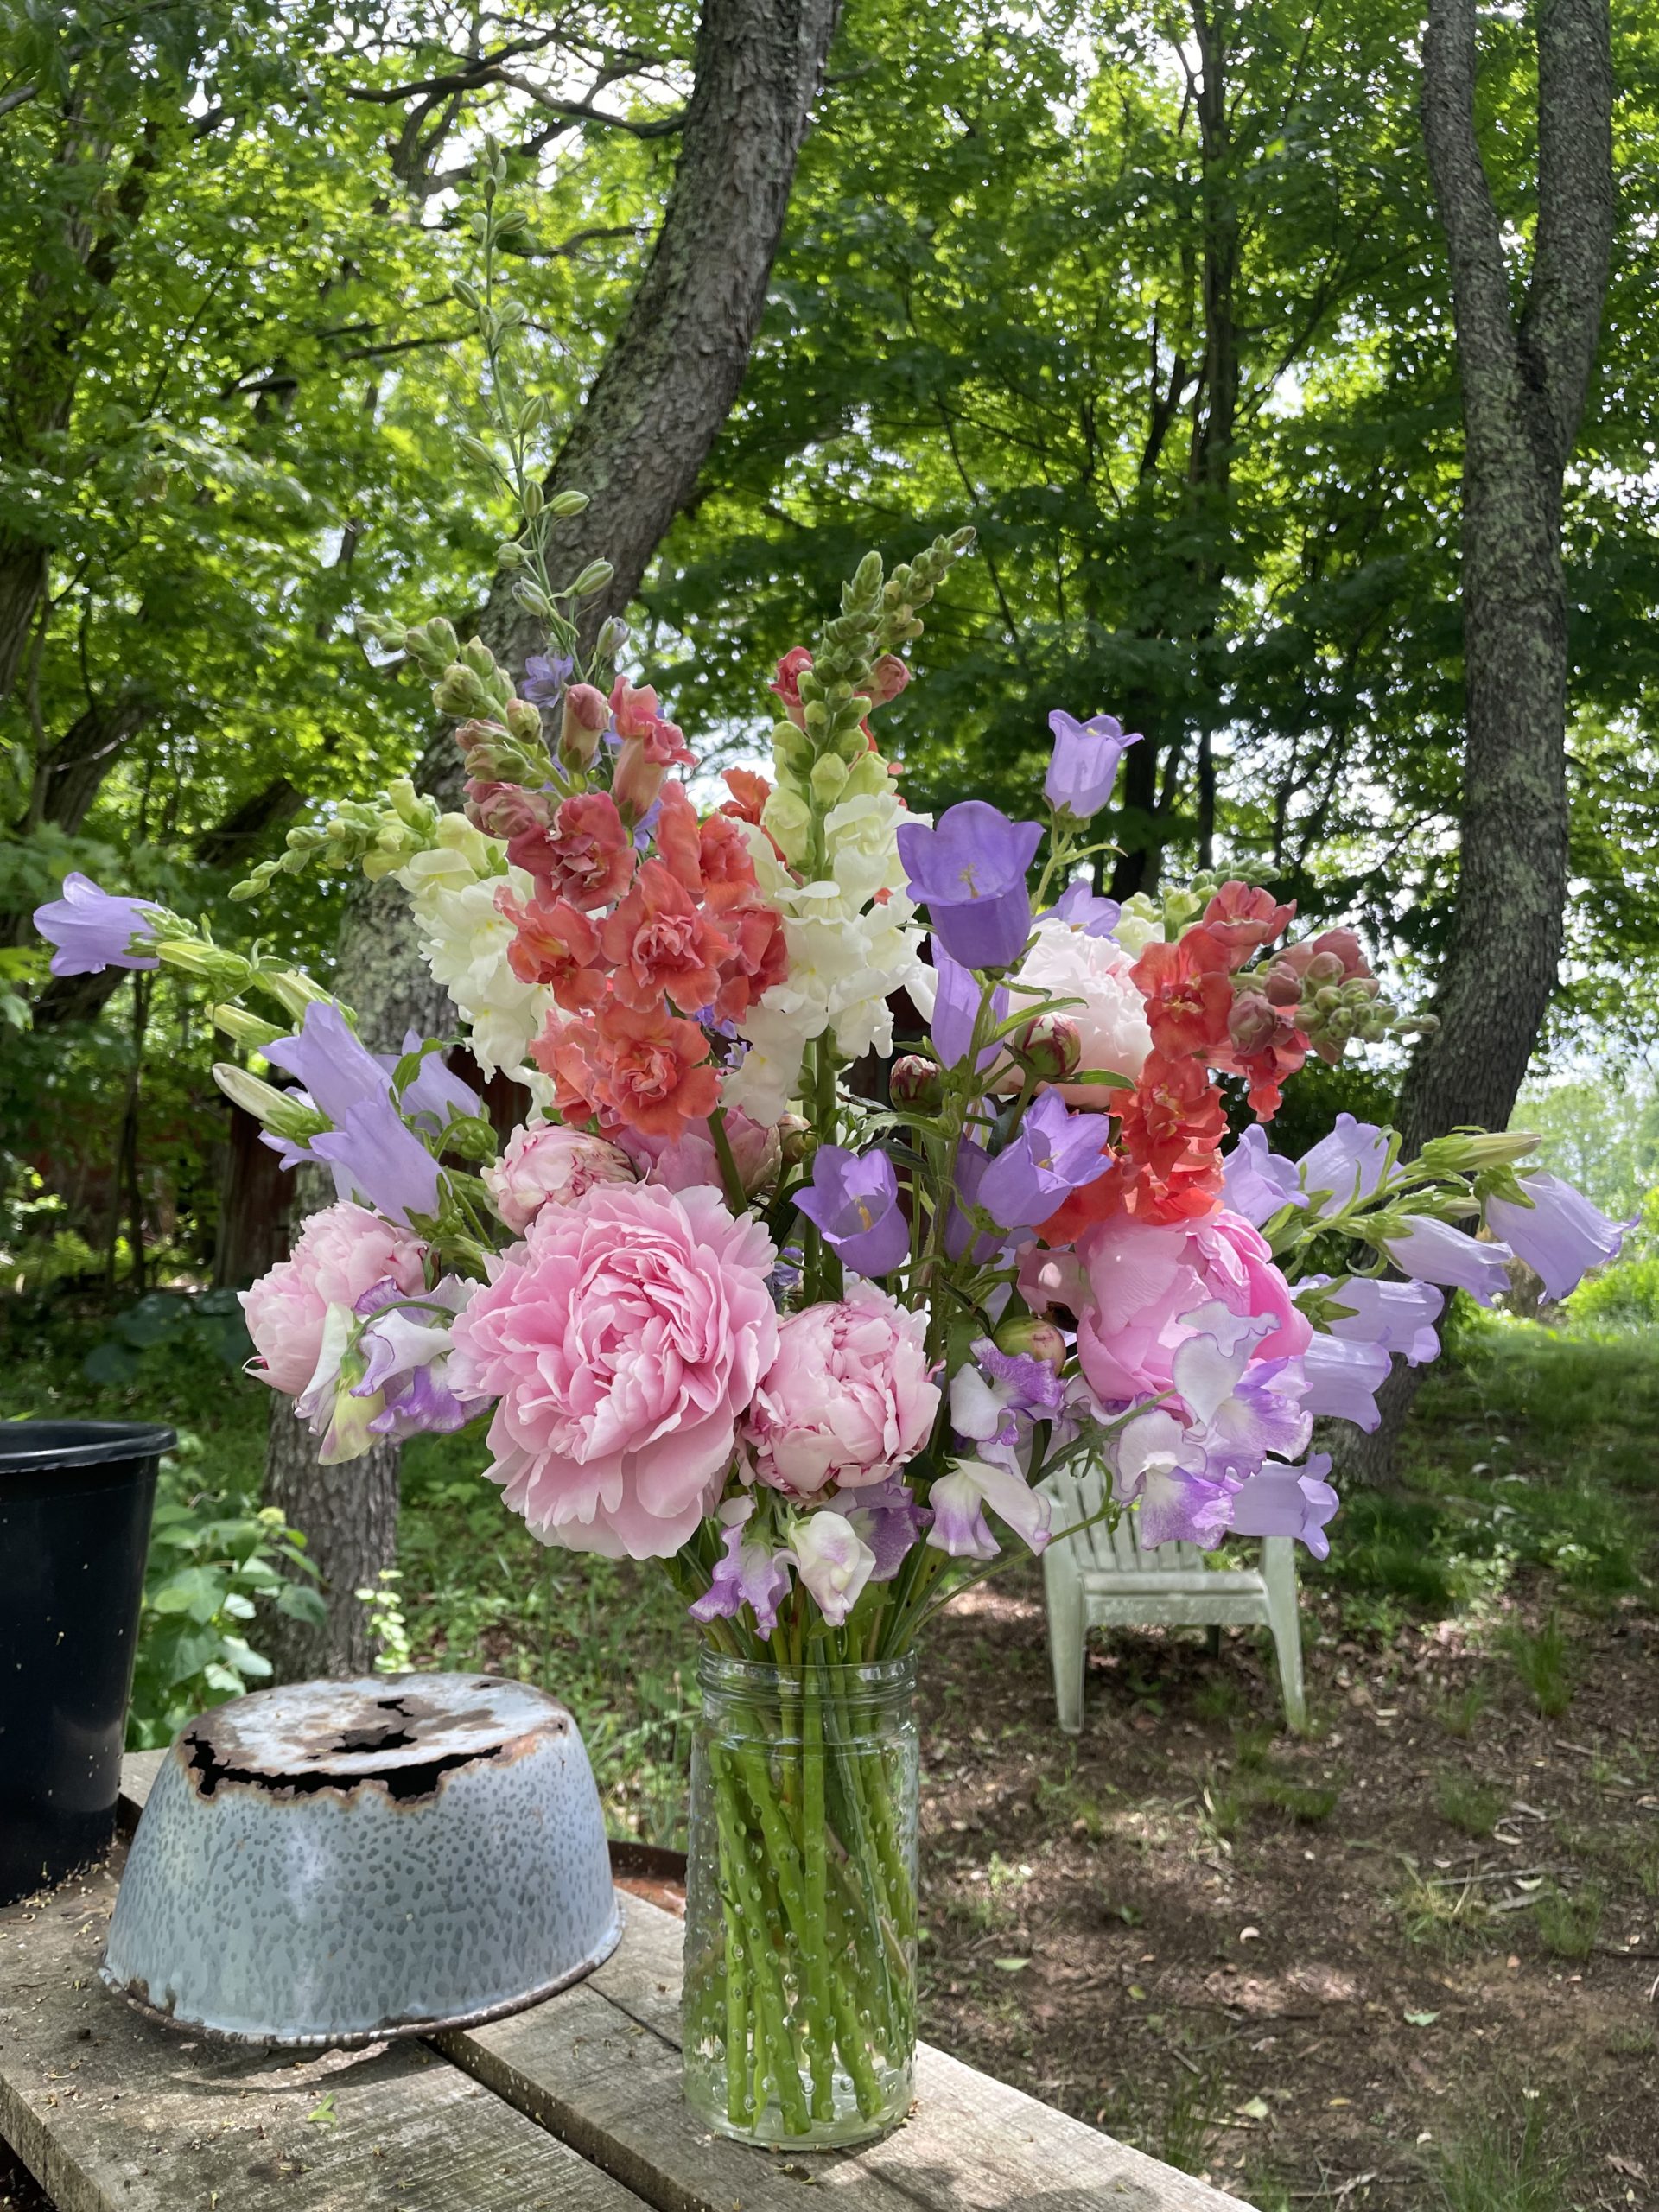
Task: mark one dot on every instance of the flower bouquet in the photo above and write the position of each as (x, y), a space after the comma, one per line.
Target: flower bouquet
(830, 1246)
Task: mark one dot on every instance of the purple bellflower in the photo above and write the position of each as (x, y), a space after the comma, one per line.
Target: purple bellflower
(1255, 1181)
(93, 928)
(1343, 1379)
(1437, 1251)
(1078, 906)
(854, 1201)
(1560, 1236)
(1347, 1165)
(969, 872)
(437, 1096)
(1083, 767)
(1395, 1316)
(955, 1009)
(1053, 1153)
(1279, 1501)
(378, 1159)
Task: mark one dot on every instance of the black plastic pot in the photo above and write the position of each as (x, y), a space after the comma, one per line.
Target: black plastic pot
(75, 1502)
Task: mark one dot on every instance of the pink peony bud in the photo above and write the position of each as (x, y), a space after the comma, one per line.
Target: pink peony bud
(1033, 1339)
(1050, 1046)
(546, 1164)
(914, 1081)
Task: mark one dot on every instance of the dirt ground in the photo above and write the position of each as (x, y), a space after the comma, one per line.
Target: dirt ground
(1318, 1970)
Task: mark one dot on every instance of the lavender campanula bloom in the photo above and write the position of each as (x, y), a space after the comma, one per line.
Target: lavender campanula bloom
(746, 1575)
(437, 1096)
(330, 1062)
(1560, 1236)
(1396, 1316)
(378, 1159)
(1078, 906)
(1255, 1181)
(93, 928)
(1437, 1251)
(1083, 767)
(1347, 1165)
(1343, 1379)
(969, 872)
(955, 1009)
(854, 1201)
(1280, 1501)
(972, 1161)
(1053, 1153)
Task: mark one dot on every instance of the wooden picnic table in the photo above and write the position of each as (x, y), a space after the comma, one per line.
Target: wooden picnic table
(573, 2106)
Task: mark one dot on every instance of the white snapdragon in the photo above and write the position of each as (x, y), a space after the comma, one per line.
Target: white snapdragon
(464, 937)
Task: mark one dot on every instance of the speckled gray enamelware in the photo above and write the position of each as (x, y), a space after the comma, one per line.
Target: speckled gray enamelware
(334, 1862)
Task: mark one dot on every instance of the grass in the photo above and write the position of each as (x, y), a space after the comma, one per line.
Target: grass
(1544, 1662)
(1472, 1806)
(1520, 2163)
(1459, 1715)
(1569, 1924)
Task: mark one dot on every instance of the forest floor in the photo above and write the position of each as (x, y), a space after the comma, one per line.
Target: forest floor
(1408, 1961)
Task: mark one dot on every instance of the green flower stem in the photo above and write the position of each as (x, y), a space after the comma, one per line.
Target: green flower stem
(819, 2031)
(764, 2011)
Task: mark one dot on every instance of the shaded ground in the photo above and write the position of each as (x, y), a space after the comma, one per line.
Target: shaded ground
(1291, 1965)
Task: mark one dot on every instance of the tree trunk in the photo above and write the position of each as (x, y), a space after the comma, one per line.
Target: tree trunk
(255, 1193)
(663, 391)
(668, 381)
(1524, 383)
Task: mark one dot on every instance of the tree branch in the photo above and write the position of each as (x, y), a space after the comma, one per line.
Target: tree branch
(1576, 210)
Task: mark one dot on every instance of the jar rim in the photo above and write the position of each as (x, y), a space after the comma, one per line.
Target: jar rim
(718, 1670)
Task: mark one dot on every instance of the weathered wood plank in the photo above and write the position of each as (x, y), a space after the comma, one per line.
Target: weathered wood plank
(113, 2113)
(600, 2066)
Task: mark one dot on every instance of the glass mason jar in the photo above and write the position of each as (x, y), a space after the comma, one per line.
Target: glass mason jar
(799, 2012)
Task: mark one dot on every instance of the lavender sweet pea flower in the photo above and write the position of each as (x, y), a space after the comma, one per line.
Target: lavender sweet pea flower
(1053, 1153)
(959, 1499)
(1083, 767)
(1289, 1502)
(749, 1575)
(854, 1200)
(1343, 1379)
(1395, 1316)
(1163, 1466)
(832, 1560)
(887, 1519)
(423, 1405)
(1560, 1236)
(1347, 1165)
(1436, 1251)
(1266, 1413)
(955, 1009)
(1026, 1384)
(969, 872)
(93, 928)
(1255, 1181)
(376, 1158)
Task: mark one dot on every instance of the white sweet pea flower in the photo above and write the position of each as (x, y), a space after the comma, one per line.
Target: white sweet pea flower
(832, 1560)
(958, 1502)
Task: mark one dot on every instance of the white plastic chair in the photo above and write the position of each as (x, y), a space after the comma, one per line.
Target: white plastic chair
(1102, 1578)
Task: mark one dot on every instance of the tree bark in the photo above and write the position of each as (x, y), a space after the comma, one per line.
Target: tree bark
(663, 391)
(1524, 381)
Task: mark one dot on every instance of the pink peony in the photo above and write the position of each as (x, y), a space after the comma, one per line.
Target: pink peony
(623, 1340)
(1111, 1018)
(341, 1252)
(1143, 1279)
(849, 1398)
(547, 1161)
(681, 1162)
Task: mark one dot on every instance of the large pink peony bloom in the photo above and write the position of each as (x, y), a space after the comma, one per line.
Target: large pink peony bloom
(547, 1161)
(342, 1252)
(1143, 1278)
(849, 1398)
(623, 1340)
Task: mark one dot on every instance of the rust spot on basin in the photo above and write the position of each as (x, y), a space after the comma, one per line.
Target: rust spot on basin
(401, 1738)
